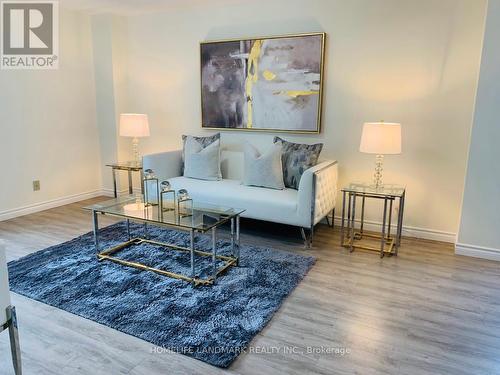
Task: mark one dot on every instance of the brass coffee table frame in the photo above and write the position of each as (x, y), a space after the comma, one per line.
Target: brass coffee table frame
(389, 244)
(229, 261)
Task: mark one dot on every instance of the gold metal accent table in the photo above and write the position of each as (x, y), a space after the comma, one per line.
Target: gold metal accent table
(129, 166)
(203, 218)
(350, 237)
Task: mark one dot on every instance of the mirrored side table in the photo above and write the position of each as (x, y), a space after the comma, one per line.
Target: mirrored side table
(352, 237)
(129, 166)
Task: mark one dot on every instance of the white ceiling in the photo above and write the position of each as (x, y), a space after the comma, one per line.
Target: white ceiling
(127, 7)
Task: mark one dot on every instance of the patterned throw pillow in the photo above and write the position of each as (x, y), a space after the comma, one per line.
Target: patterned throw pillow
(296, 159)
(203, 141)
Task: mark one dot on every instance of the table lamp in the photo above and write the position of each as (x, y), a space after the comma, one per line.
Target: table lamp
(380, 138)
(134, 125)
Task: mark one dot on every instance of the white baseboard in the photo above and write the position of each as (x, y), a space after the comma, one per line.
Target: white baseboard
(477, 251)
(41, 206)
(110, 192)
(425, 233)
(429, 234)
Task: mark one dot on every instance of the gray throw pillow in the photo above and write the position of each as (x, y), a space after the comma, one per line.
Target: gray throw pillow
(203, 141)
(202, 163)
(297, 158)
(265, 169)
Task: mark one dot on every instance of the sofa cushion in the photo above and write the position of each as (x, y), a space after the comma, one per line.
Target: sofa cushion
(297, 158)
(202, 163)
(231, 164)
(259, 203)
(263, 169)
(203, 141)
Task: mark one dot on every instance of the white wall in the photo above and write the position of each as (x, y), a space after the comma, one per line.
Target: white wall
(480, 226)
(414, 62)
(102, 45)
(47, 127)
(109, 37)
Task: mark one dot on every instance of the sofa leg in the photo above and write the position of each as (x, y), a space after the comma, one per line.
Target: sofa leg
(307, 240)
(304, 237)
(331, 223)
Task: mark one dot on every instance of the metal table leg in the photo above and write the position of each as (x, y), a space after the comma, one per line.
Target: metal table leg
(342, 222)
(348, 229)
(191, 248)
(232, 236)
(95, 222)
(142, 179)
(382, 240)
(114, 182)
(130, 188)
(214, 252)
(353, 215)
(238, 240)
(362, 224)
(400, 222)
(390, 219)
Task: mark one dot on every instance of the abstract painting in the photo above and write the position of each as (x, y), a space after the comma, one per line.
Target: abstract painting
(267, 84)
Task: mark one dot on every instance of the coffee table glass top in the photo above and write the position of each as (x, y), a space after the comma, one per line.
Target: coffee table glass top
(202, 217)
(384, 190)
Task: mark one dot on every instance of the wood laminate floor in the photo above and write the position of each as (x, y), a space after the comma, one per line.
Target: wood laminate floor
(426, 311)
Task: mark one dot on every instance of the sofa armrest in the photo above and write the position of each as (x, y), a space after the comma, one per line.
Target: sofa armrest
(165, 164)
(318, 191)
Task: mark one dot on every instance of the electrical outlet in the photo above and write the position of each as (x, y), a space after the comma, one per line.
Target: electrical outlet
(36, 185)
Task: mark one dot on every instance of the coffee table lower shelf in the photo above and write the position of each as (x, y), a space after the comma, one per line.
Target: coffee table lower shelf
(229, 261)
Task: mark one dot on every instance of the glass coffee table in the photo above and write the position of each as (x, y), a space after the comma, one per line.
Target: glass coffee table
(200, 218)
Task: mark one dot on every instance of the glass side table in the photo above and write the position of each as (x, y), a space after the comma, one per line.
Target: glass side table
(350, 236)
(129, 166)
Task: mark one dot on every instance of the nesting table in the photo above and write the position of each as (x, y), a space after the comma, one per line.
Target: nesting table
(129, 166)
(351, 236)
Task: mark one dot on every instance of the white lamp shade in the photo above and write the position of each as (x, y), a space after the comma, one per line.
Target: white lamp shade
(381, 138)
(134, 125)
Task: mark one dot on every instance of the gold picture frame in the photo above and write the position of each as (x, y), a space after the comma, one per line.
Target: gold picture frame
(238, 124)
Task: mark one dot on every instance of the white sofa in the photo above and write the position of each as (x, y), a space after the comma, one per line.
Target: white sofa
(305, 207)
(8, 317)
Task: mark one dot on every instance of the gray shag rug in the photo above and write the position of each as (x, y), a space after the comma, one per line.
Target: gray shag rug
(211, 323)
